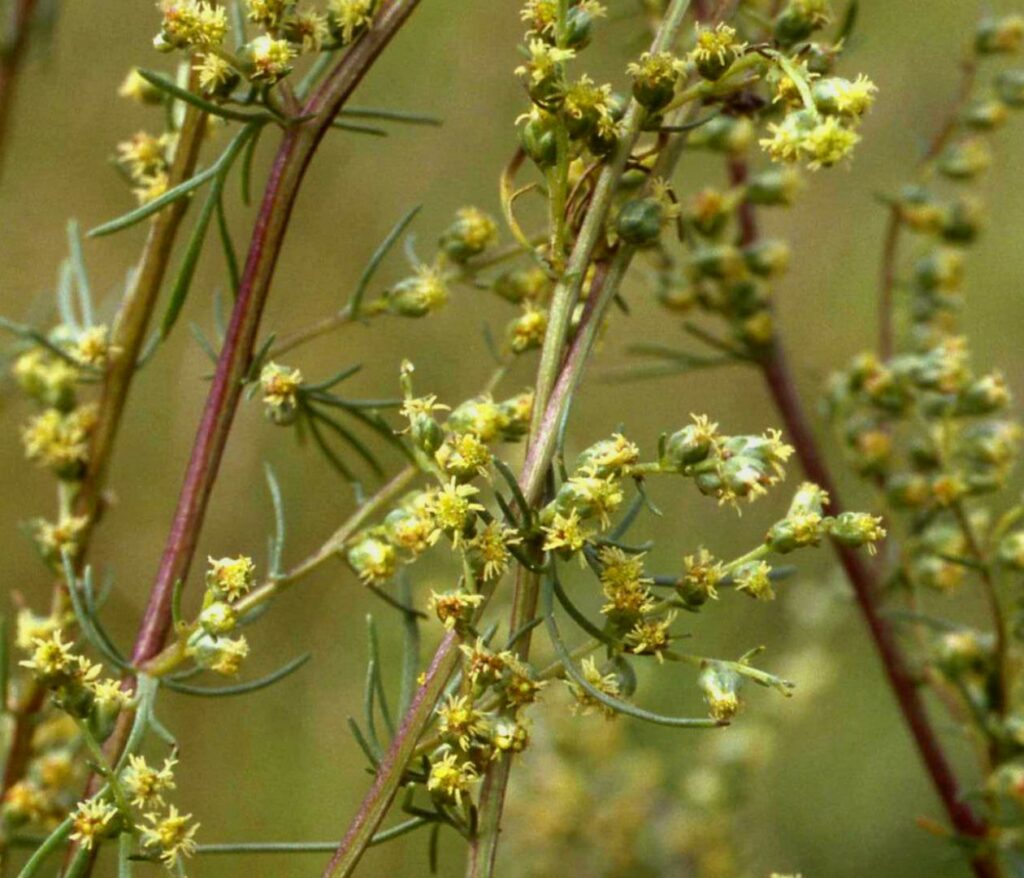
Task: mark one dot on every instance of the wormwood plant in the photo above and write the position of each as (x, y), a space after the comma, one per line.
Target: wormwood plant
(524, 532)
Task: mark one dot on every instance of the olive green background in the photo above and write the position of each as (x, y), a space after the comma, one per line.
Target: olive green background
(839, 798)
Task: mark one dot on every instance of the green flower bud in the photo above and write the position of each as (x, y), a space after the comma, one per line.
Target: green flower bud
(726, 134)
(537, 137)
(521, 284)
(795, 531)
(1010, 88)
(482, 417)
(526, 332)
(907, 491)
(721, 262)
(942, 269)
(775, 187)
(984, 395)
(799, 19)
(373, 559)
(699, 582)
(218, 617)
(715, 50)
(767, 258)
(579, 26)
(1011, 550)
(425, 432)
(965, 159)
(720, 685)
(419, 295)
(964, 651)
(639, 221)
(999, 35)
(472, 232)
(962, 220)
(857, 529)
(688, 446)
(516, 413)
(654, 80)
(985, 114)
(608, 457)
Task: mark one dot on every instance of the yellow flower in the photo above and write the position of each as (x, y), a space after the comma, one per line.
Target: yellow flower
(270, 58)
(51, 657)
(143, 154)
(450, 778)
(459, 719)
(171, 834)
(565, 533)
(755, 580)
(351, 16)
(453, 510)
(231, 653)
(454, 608)
(145, 784)
(651, 636)
(231, 577)
(214, 73)
(605, 683)
(544, 61)
(490, 545)
(92, 820)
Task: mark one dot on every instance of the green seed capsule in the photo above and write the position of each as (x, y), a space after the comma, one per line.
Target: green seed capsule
(639, 221)
(1010, 88)
(537, 138)
(579, 26)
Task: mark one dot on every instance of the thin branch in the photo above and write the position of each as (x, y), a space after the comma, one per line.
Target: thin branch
(287, 173)
(12, 53)
(779, 380)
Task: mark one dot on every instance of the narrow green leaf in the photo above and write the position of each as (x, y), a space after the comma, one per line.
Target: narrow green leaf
(277, 542)
(619, 706)
(356, 300)
(378, 680)
(149, 208)
(230, 255)
(334, 380)
(80, 273)
(241, 688)
(359, 129)
(183, 94)
(410, 118)
(373, 756)
(186, 271)
(410, 647)
(351, 439)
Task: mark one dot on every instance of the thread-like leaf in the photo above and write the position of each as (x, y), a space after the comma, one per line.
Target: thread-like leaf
(619, 706)
(356, 300)
(240, 688)
(168, 85)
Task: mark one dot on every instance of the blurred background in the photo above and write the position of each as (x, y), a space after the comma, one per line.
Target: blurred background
(838, 786)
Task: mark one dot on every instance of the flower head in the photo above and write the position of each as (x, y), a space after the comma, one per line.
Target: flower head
(171, 834)
(146, 784)
(92, 821)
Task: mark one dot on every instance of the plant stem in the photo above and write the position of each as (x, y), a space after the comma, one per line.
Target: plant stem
(12, 53)
(297, 147)
(901, 678)
(894, 225)
(173, 655)
(128, 338)
(779, 379)
(129, 331)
